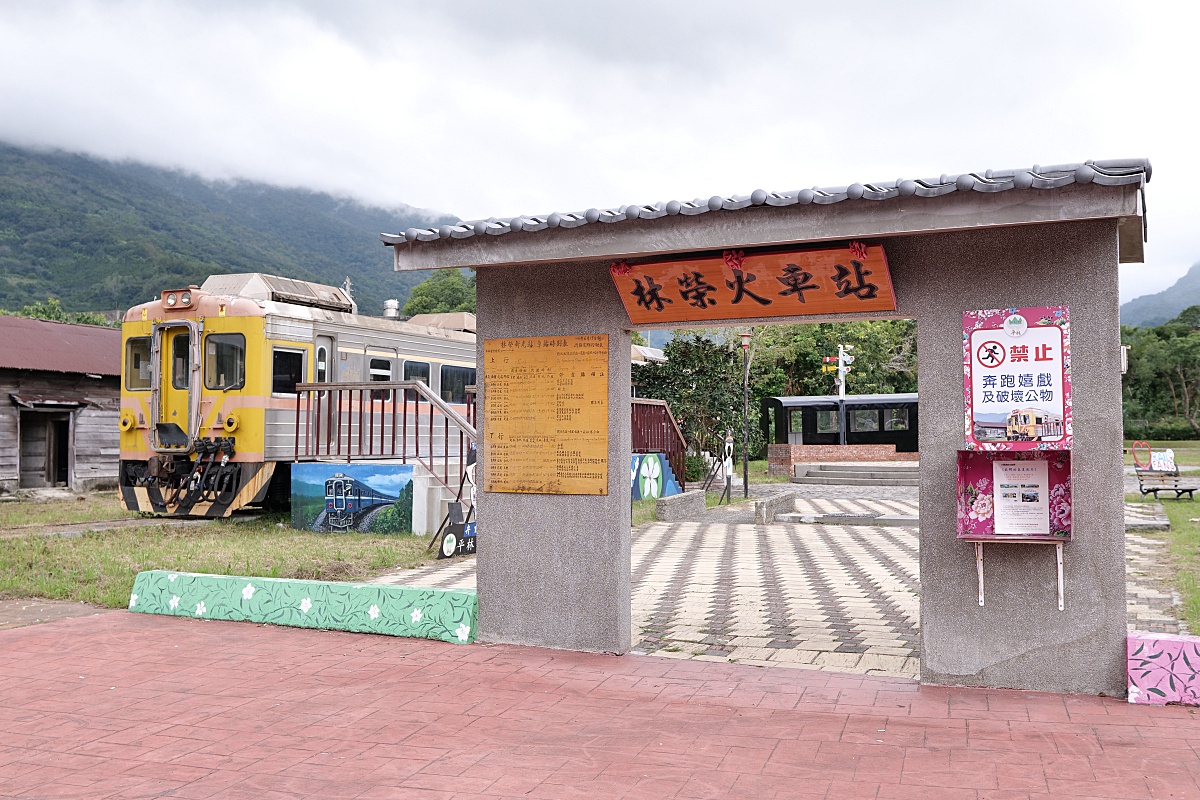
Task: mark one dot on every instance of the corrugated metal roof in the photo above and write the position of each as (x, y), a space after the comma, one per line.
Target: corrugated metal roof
(1116, 172)
(59, 347)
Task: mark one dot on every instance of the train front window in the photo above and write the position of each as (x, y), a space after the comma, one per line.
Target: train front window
(455, 381)
(287, 369)
(416, 371)
(224, 361)
(181, 360)
(137, 364)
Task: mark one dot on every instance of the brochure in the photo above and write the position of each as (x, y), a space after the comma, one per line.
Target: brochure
(1022, 498)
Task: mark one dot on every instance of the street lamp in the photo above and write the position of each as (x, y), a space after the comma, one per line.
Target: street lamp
(746, 337)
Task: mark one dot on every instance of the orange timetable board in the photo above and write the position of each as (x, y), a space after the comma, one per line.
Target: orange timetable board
(740, 285)
(546, 415)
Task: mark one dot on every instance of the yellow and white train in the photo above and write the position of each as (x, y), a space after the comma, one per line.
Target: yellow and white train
(208, 396)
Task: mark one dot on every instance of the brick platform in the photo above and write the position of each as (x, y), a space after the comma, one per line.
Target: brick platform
(129, 705)
(782, 458)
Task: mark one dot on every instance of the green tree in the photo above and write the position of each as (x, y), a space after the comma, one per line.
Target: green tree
(52, 310)
(446, 290)
(1162, 382)
(702, 382)
(788, 358)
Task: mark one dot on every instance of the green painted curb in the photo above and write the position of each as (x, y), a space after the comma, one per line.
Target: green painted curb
(427, 613)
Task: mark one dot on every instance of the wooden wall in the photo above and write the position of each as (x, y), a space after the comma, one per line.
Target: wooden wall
(95, 444)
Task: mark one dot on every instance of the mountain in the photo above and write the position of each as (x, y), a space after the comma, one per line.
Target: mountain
(1155, 309)
(101, 235)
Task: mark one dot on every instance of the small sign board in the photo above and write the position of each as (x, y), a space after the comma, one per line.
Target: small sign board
(546, 415)
(740, 285)
(1017, 378)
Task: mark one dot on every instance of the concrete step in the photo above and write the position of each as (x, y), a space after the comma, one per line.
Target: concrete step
(899, 469)
(888, 520)
(861, 474)
(840, 481)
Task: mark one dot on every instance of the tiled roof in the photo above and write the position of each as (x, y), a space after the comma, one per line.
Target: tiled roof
(37, 344)
(1107, 173)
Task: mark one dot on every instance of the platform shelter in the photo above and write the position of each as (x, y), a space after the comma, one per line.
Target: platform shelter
(558, 295)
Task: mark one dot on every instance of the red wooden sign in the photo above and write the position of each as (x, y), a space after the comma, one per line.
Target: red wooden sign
(836, 280)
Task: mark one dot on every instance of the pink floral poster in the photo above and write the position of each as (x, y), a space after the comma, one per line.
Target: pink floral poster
(977, 498)
(1017, 378)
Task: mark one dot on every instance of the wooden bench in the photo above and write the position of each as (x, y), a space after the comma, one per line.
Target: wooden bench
(1155, 481)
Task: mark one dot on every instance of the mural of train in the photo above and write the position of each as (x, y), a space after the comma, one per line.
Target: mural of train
(346, 499)
(209, 375)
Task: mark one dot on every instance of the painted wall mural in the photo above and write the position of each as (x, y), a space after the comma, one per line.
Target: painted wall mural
(363, 498)
(448, 615)
(1163, 668)
(651, 477)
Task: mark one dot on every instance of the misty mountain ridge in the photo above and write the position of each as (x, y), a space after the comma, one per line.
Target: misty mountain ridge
(101, 235)
(1155, 309)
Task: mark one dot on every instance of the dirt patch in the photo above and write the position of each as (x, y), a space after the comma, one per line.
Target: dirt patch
(31, 611)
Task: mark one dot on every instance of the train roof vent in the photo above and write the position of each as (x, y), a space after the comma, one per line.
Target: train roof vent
(257, 286)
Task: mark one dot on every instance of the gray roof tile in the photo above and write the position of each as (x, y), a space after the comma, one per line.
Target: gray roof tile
(1117, 172)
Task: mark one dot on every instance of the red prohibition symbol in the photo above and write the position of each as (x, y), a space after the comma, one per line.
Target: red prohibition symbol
(991, 354)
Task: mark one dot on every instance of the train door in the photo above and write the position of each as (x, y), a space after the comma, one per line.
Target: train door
(176, 363)
(325, 371)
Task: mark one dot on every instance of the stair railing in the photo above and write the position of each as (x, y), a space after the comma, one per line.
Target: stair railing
(377, 420)
(655, 431)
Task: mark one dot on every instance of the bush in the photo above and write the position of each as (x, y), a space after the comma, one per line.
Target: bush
(696, 468)
(1174, 430)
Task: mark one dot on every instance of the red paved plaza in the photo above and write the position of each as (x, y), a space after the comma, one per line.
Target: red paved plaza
(126, 705)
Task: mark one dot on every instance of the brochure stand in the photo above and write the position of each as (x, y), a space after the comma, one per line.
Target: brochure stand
(1046, 491)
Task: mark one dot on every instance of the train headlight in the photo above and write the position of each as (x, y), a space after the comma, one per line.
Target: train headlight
(126, 423)
(230, 423)
(171, 300)
(185, 299)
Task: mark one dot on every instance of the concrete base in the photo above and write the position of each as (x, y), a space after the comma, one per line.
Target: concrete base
(429, 502)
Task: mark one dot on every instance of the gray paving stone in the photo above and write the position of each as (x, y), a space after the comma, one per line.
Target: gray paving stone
(837, 597)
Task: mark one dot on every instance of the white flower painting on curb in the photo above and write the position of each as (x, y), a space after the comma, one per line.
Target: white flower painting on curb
(462, 632)
(200, 609)
(373, 612)
(305, 605)
(248, 592)
(132, 600)
(416, 615)
(174, 604)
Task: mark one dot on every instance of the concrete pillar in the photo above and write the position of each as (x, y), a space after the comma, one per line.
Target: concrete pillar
(553, 570)
(1020, 639)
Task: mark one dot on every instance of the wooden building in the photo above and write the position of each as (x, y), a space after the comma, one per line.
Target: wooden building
(60, 397)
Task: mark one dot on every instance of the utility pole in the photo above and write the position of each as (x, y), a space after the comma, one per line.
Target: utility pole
(746, 337)
(844, 362)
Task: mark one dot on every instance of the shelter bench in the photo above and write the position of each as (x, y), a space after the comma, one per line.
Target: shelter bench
(1155, 481)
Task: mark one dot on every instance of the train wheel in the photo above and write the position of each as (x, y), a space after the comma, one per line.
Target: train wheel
(449, 545)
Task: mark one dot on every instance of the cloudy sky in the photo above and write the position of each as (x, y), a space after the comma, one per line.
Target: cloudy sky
(482, 109)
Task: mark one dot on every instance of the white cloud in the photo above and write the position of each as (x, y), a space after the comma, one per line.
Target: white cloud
(482, 109)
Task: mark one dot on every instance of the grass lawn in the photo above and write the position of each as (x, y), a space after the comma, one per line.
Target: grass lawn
(1184, 538)
(1187, 454)
(644, 511)
(758, 473)
(99, 568)
(84, 508)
